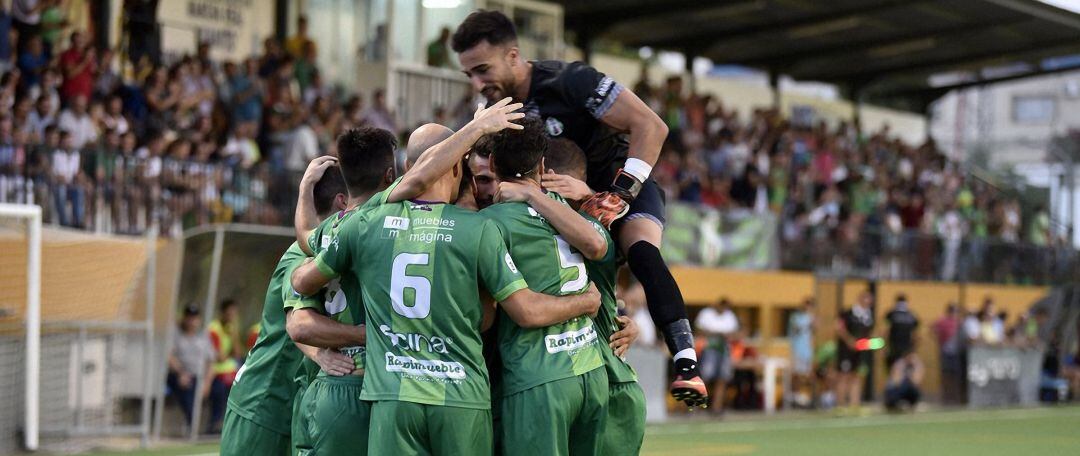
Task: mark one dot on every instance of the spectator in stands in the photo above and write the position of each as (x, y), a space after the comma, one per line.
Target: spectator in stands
(297, 43)
(379, 115)
(79, 65)
(800, 333)
(76, 121)
(40, 118)
(991, 330)
(191, 358)
(53, 23)
(7, 33)
(950, 341)
(438, 50)
(68, 181)
(905, 378)
(33, 61)
(228, 348)
(26, 17)
(717, 323)
(902, 327)
(852, 363)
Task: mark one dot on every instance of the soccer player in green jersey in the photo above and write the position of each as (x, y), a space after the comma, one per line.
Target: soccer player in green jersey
(264, 386)
(428, 379)
(555, 390)
(625, 427)
(329, 412)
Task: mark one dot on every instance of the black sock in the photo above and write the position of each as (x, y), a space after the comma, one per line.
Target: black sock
(664, 300)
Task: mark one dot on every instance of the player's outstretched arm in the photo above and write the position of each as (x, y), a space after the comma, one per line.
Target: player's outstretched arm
(530, 309)
(577, 231)
(308, 327)
(307, 219)
(440, 158)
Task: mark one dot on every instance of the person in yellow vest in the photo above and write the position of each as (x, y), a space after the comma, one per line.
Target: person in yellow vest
(225, 337)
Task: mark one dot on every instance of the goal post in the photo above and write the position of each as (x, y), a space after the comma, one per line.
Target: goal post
(31, 217)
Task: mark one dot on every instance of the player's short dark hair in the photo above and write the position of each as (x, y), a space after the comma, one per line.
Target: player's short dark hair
(364, 155)
(482, 25)
(516, 153)
(565, 157)
(327, 188)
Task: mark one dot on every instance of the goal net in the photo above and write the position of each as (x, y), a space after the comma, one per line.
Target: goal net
(76, 335)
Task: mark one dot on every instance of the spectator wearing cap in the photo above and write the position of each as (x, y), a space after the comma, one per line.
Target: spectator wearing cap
(191, 357)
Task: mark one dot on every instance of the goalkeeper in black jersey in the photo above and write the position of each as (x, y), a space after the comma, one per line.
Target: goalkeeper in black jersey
(621, 138)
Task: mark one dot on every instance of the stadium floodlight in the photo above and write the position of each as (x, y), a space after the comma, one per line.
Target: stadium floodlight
(29, 219)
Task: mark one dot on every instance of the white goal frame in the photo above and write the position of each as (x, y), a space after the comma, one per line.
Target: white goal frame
(31, 215)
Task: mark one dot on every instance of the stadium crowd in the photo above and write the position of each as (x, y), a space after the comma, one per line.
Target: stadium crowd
(862, 201)
(189, 142)
(197, 141)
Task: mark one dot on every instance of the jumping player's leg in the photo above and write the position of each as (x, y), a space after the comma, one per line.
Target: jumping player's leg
(640, 234)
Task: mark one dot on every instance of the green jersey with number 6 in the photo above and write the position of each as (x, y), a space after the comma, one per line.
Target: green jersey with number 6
(534, 356)
(419, 265)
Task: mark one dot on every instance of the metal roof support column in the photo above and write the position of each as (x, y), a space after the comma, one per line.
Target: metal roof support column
(774, 84)
(689, 65)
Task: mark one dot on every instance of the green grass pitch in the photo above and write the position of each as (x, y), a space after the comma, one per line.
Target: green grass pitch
(1040, 431)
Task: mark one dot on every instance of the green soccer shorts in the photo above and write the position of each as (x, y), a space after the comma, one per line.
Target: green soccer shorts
(298, 425)
(241, 436)
(625, 426)
(557, 418)
(334, 417)
(402, 428)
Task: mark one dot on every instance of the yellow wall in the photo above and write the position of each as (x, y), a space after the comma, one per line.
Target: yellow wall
(770, 292)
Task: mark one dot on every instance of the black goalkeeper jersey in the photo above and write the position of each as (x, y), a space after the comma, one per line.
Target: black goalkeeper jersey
(571, 98)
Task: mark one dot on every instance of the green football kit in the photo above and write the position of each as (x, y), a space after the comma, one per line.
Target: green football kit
(418, 264)
(264, 386)
(555, 390)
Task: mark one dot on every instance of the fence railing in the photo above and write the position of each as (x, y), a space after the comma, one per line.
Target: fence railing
(111, 191)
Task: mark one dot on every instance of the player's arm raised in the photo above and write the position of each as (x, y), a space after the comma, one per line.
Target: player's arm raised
(440, 158)
(530, 309)
(577, 231)
(306, 219)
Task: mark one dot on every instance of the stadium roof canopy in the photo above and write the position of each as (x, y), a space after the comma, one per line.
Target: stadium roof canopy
(899, 53)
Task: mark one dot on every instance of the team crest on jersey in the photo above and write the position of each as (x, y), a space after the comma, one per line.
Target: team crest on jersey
(510, 263)
(554, 126)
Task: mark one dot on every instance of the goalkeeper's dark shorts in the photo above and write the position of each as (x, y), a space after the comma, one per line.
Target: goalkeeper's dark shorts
(649, 204)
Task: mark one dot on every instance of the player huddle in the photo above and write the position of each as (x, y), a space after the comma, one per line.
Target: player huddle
(460, 304)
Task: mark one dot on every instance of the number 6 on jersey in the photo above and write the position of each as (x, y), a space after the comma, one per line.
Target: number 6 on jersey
(399, 281)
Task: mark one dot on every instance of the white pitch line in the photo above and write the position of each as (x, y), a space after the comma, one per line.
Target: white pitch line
(825, 422)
